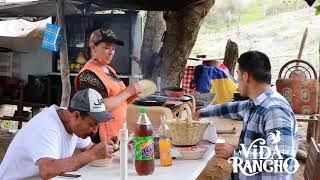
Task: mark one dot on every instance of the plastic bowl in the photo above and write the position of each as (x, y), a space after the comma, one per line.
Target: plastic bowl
(193, 153)
(102, 162)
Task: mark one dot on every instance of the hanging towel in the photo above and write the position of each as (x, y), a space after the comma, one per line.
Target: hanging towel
(215, 80)
(187, 79)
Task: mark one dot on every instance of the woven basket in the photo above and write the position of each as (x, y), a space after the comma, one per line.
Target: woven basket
(185, 131)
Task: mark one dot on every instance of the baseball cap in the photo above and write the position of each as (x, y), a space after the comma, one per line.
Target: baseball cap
(104, 35)
(90, 101)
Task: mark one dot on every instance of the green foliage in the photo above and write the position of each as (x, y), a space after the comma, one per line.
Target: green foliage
(317, 10)
(251, 17)
(250, 11)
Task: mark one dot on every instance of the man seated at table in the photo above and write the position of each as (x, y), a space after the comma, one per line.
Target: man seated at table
(267, 117)
(44, 147)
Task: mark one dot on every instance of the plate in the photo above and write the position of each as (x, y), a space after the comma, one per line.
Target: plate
(193, 153)
(102, 162)
(150, 101)
(183, 98)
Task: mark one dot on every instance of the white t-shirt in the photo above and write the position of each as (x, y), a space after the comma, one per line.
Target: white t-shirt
(43, 136)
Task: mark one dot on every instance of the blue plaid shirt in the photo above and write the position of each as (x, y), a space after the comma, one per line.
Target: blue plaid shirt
(268, 113)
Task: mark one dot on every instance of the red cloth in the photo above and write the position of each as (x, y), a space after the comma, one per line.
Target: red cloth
(224, 68)
(188, 76)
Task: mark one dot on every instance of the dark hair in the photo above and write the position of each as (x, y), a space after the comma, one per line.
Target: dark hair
(83, 114)
(256, 64)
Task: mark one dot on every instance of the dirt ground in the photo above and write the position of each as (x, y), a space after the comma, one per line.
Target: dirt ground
(216, 169)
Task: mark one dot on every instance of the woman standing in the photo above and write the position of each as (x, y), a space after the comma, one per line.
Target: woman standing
(98, 74)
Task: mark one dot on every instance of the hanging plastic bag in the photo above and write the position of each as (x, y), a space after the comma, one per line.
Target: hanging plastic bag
(52, 38)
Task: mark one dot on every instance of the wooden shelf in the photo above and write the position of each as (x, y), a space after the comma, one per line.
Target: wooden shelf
(4, 65)
(15, 118)
(23, 103)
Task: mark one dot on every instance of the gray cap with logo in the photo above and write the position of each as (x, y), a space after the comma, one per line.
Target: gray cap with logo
(90, 101)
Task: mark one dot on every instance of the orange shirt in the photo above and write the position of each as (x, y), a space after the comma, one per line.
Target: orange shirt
(111, 128)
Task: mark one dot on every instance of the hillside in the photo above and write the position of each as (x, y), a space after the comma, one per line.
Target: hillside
(278, 36)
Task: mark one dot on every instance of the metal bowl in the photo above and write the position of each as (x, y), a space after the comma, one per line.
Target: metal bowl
(174, 91)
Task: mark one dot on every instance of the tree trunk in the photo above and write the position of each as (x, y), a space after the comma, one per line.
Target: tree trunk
(64, 70)
(318, 123)
(319, 78)
(231, 56)
(154, 28)
(182, 30)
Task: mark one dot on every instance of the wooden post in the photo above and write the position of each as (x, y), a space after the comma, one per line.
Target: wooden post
(64, 70)
(303, 41)
(231, 56)
(318, 122)
(319, 80)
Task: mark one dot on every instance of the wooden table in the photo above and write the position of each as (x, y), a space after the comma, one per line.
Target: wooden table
(181, 169)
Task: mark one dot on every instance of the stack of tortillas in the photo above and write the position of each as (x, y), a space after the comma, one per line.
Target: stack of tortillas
(147, 87)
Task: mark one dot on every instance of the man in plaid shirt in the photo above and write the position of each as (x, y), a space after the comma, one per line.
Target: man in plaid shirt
(266, 115)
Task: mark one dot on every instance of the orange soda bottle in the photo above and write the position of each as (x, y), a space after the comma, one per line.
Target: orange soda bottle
(164, 145)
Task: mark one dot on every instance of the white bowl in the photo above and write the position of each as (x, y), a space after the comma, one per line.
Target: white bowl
(220, 141)
(195, 153)
(102, 162)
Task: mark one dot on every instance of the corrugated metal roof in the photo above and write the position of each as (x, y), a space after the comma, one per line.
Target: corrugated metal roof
(159, 5)
(42, 8)
(46, 8)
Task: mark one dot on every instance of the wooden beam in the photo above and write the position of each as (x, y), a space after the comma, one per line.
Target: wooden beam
(64, 70)
(150, 5)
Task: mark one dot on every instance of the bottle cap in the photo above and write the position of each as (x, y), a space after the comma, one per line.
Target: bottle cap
(123, 134)
(143, 110)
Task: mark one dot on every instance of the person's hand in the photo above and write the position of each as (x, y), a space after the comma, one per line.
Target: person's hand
(196, 116)
(134, 89)
(224, 150)
(116, 143)
(130, 146)
(130, 142)
(102, 150)
(132, 98)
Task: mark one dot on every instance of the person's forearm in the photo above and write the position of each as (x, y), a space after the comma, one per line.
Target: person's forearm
(231, 110)
(115, 101)
(57, 167)
(216, 110)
